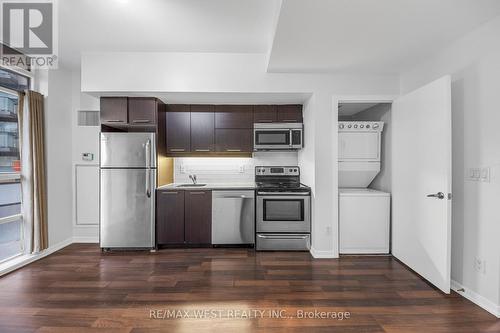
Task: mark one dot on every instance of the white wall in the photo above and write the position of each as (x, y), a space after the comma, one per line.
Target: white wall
(58, 154)
(84, 140)
(148, 73)
(473, 61)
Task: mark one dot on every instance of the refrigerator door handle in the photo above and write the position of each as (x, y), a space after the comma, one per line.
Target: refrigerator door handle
(147, 147)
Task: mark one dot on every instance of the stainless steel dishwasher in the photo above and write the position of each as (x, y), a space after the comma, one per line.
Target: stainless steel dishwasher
(233, 217)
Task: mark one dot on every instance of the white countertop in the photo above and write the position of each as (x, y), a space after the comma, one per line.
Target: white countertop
(210, 186)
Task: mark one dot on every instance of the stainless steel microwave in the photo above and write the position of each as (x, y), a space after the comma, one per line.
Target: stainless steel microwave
(277, 136)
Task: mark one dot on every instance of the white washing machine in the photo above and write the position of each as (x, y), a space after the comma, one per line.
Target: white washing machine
(364, 214)
(364, 220)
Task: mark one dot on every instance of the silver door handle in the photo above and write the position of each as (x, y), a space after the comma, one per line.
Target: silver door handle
(284, 193)
(236, 197)
(140, 121)
(176, 149)
(113, 121)
(288, 120)
(202, 150)
(148, 167)
(439, 195)
(196, 193)
(233, 150)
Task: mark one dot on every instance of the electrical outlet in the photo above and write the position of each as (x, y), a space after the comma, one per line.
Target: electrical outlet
(477, 264)
(328, 230)
(480, 265)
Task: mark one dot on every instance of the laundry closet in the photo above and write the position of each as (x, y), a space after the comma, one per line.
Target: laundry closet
(395, 179)
(364, 163)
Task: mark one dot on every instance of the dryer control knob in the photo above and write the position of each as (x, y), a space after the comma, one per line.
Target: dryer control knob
(341, 126)
(375, 126)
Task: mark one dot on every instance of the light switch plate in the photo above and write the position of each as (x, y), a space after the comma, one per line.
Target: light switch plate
(485, 175)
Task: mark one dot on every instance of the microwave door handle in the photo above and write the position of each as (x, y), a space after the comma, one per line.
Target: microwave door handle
(291, 138)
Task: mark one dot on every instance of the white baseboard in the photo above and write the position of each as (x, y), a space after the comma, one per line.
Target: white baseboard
(477, 299)
(26, 259)
(322, 254)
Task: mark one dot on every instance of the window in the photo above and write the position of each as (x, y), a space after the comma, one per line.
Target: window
(11, 226)
(12, 80)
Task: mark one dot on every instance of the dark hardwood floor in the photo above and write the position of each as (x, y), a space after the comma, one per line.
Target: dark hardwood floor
(78, 289)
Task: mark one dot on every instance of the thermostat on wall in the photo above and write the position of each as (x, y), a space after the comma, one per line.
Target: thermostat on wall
(87, 156)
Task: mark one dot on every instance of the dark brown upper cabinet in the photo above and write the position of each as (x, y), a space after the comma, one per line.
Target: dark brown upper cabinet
(198, 217)
(142, 110)
(178, 128)
(202, 128)
(114, 111)
(233, 116)
(289, 113)
(170, 217)
(233, 140)
(264, 113)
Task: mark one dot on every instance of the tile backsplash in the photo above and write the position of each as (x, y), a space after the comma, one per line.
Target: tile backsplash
(228, 169)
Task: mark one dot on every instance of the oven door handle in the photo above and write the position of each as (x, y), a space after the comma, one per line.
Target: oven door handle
(284, 193)
(274, 236)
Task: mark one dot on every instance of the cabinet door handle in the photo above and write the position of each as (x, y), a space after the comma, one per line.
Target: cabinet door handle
(141, 121)
(177, 149)
(196, 193)
(289, 120)
(233, 150)
(202, 150)
(113, 121)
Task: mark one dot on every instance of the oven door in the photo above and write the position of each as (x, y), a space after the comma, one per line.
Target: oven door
(272, 139)
(282, 212)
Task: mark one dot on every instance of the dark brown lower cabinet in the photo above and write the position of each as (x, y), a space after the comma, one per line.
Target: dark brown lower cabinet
(170, 217)
(198, 217)
(184, 217)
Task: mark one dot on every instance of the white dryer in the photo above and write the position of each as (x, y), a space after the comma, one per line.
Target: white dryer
(359, 152)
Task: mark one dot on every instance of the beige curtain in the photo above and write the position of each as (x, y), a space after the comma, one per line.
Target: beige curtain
(33, 176)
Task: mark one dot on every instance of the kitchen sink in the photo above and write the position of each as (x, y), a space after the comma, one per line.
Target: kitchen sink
(191, 185)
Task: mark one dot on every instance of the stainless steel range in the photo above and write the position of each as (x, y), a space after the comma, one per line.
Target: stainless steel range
(283, 214)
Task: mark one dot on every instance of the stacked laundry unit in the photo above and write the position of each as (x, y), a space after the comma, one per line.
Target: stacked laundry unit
(364, 213)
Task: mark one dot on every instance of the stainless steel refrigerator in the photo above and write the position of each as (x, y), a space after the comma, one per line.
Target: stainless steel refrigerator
(127, 190)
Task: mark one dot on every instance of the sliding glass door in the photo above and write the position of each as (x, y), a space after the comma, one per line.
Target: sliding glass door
(11, 225)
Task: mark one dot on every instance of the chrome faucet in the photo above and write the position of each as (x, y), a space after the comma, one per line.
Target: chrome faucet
(193, 179)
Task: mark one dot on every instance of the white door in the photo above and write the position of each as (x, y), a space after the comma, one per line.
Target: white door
(421, 181)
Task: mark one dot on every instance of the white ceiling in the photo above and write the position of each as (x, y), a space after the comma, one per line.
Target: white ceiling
(338, 36)
(239, 26)
(370, 36)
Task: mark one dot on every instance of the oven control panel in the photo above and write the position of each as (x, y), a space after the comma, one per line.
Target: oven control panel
(277, 171)
(361, 126)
